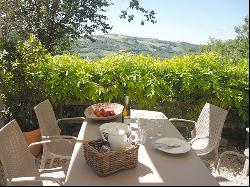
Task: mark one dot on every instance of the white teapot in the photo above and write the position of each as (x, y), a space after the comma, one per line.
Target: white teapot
(118, 139)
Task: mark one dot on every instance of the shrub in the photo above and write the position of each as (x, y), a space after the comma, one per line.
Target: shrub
(184, 82)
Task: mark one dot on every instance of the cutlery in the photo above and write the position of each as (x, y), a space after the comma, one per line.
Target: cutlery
(166, 146)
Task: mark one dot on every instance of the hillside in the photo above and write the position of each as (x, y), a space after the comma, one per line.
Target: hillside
(113, 43)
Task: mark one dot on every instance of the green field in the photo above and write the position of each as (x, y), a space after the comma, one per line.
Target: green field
(113, 43)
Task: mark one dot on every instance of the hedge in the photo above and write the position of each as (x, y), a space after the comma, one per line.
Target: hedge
(185, 81)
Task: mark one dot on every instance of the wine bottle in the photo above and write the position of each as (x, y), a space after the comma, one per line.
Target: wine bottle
(126, 111)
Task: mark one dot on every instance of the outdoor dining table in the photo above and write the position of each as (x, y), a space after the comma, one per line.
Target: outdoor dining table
(154, 166)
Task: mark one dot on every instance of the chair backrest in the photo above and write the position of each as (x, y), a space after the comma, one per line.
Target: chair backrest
(210, 123)
(46, 119)
(16, 158)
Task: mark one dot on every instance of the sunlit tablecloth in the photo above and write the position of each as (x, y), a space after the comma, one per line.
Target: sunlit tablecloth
(154, 167)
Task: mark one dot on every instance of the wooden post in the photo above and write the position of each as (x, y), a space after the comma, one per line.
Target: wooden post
(1, 117)
(1, 107)
(1, 102)
(246, 152)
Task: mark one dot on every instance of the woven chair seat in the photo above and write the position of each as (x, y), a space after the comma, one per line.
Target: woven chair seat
(200, 144)
(63, 148)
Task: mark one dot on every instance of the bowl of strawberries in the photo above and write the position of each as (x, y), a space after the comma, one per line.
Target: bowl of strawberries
(103, 111)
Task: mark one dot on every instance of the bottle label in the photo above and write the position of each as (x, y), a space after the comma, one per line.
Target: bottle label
(126, 120)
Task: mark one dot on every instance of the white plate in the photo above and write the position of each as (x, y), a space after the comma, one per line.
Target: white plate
(106, 128)
(89, 112)
(183, 148)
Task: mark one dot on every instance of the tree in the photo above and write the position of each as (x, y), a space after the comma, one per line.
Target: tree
(20, 91)
(57, 23)
(243, 38)
(232, 49)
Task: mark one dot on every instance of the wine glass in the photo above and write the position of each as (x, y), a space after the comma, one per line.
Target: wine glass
(159, 125)
(149, 125)
(142, 130)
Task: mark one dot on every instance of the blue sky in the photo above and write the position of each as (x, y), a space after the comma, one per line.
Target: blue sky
(192, 21)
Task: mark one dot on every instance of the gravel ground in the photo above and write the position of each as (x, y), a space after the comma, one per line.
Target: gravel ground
(230, 172)
(230, 169)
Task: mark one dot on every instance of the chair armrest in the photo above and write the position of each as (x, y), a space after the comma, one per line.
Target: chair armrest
(71, 120)
(181, 120)
(59, 137)
(193, 131)
(177, 121)
(46, 170)
(55, 139)
(32, 179)
(48, 141)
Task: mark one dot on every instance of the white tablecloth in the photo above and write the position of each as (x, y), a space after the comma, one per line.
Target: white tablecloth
(154, 167)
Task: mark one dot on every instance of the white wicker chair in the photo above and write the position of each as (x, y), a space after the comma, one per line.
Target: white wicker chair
(62, 148)
(19, 164)
(207, 132)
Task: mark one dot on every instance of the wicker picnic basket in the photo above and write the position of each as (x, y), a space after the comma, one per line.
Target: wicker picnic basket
(112, 161)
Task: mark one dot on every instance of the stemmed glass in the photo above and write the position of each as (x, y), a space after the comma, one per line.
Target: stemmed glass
(150, 126)
(142, 132)
(158, 130)
(156, 127)
(159, 124)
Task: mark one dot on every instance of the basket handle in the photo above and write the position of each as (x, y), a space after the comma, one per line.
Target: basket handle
(103, 137)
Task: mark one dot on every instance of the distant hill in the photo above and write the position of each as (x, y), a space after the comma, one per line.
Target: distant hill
(114, 43)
